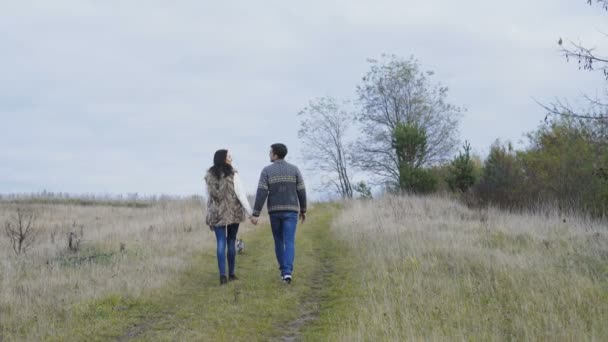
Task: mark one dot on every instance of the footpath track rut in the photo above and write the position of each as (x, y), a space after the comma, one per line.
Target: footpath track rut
(255, 307)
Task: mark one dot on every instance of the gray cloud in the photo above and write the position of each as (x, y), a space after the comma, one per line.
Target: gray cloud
(136, 96)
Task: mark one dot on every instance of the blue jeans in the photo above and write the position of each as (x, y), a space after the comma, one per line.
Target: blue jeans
(223, 239)
(283, 226)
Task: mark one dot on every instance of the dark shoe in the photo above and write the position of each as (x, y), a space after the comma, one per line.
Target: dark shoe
(232, 277)
(287, 279)
(223, 280)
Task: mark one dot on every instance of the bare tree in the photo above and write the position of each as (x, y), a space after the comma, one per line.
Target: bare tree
(20, 230)
(587, 59)
(597, 110)
(323, 129)
(604, 3)
(395, 91)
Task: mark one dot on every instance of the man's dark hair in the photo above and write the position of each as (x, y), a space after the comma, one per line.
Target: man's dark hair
(279, 149)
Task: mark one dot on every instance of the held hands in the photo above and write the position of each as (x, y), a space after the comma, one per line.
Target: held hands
(253, 220)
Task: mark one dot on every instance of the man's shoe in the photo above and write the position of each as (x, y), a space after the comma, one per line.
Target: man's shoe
(223, 280)
(287, 279)
(232, 277)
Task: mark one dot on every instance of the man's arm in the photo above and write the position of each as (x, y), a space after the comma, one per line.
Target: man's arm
(301, 191)
(262, 194)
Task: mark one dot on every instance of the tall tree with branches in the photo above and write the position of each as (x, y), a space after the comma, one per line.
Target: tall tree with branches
(396, 92)
(323, 131)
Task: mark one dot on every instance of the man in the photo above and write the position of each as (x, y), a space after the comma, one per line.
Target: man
(282, 183)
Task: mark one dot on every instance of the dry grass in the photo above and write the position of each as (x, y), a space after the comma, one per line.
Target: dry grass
(433, 269)
(124, 251)
(425, 268)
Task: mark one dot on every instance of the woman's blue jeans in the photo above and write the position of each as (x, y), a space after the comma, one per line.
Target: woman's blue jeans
(226, 235)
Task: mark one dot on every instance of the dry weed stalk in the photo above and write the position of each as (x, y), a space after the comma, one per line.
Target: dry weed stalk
(20, 230)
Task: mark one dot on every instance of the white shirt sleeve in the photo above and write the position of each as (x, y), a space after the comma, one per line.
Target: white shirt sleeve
(240, 193)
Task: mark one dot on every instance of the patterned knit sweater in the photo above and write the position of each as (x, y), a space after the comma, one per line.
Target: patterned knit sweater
(283, 185)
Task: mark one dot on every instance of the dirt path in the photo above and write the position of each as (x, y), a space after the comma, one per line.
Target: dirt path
(310, 308)
(258, 306)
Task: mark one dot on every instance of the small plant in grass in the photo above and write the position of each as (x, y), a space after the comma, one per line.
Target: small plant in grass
(74, 239)
(85, 256)
(364, 191)
(73, 242)
(21, 230)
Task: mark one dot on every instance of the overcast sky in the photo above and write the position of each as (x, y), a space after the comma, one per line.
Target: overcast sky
(135, 96)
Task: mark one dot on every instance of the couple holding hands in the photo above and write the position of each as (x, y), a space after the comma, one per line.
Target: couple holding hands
(280, 182)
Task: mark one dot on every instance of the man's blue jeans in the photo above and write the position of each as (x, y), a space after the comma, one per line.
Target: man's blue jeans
(283, 226)
(226, 235)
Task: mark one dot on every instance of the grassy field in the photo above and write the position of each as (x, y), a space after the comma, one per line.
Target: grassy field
(429, 268)
(257, 307)
(124, 252)
(165, 285)
(396, 268)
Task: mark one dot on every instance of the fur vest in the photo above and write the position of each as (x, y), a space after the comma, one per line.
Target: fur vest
(223, 206)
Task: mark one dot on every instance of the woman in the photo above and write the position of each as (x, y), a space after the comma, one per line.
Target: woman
(225, 210)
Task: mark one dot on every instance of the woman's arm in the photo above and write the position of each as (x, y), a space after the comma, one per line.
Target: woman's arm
(240, 193)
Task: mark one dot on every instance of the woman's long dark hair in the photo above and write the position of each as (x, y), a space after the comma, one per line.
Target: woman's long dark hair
(220, 168)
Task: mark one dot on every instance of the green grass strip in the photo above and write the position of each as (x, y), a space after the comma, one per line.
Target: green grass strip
(258, 306)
